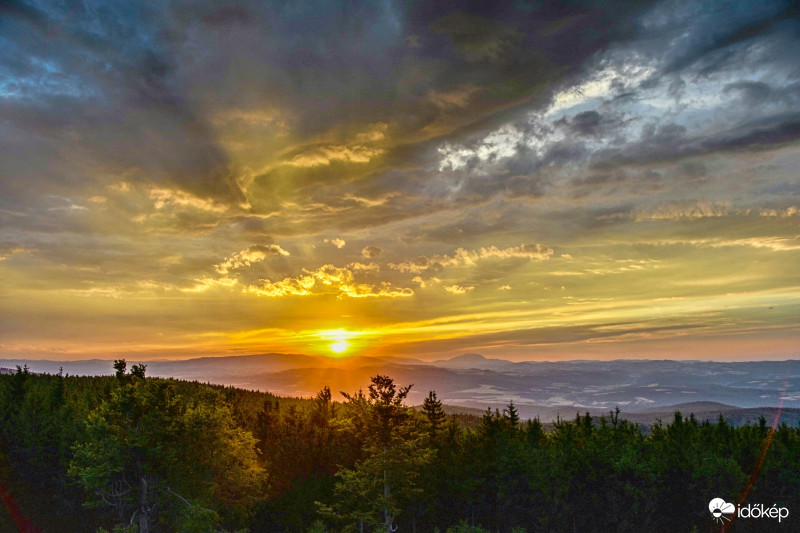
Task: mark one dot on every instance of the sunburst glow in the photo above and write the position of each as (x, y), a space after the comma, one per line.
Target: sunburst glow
(340, 346)
(455, 180)
(337, 340)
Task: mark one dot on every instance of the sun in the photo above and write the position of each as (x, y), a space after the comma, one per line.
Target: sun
(337, 341)
(340, 346)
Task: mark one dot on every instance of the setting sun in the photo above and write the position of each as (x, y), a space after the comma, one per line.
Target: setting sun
(339, 346)
(337, 340)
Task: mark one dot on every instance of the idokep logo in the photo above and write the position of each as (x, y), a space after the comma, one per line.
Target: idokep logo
(759, 510)
(719, 508)
(722, 511)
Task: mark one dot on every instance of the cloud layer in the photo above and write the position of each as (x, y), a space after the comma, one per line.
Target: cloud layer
(192, 174)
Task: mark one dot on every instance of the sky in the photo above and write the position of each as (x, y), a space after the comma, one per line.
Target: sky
(527, 180)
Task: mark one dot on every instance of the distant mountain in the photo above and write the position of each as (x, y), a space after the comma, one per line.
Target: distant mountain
(213, 368)
(202, 368)
(545, 389)
(561, 389)
(221, 369)
(473, 360)
(690, 407)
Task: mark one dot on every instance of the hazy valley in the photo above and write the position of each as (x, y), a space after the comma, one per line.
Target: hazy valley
(643, 389)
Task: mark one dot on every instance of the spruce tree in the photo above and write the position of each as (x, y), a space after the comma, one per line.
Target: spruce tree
(434, 412)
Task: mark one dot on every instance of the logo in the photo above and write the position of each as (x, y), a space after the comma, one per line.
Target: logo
(723, 511)
(719, 508)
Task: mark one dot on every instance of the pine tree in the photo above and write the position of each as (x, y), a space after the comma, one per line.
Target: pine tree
(434, 412)
(511, 414)
(382, 484)
(147, 450)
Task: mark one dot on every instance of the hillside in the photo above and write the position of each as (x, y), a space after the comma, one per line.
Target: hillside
(539, 389)
(223, 458)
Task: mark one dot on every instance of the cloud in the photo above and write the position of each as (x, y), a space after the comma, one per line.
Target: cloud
(678, 211)
(171, 198)
(586, 123)
(369, 267)
(206, 283)
(638, 101)
(499, 144)
(458, 289)
(371, 251)
(790, 211)
(425, 283)
(325, 155)
(8, 250)
(703, 209)
(424, 129)
(458, 97)
(328, 279)
(775, 244)
(253, 254)
(337, 242)
(476, 38)
(383, 290)
(374, 132)
(533, 252)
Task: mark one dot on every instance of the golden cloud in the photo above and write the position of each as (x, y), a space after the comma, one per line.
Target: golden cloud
(207, 283)
(534, 252)
(325, 155)
(170, 198)
(458, 289)
(337, 242)
(327, 279)
(248, 256)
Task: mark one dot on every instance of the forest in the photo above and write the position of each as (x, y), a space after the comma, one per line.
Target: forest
(132, 453)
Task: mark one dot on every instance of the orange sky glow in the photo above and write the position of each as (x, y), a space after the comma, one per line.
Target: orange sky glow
(400, 182)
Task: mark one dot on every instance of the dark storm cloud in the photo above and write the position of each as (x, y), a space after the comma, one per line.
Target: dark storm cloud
(760, 134)
(752, 92)
(750, 84)
(725, 25)
(686, 62)
(511, 53)
(669, 141)
(89, 90)
(586, 123)
(132, 87)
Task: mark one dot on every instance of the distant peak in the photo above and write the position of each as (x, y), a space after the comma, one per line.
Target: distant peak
(469, 357)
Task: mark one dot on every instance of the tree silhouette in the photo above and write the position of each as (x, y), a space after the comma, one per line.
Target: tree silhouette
(434, 412)
(381, 485)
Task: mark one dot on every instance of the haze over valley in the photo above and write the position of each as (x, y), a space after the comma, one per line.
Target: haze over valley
(543, 389)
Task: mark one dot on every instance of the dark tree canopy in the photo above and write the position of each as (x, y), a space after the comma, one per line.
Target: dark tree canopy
(150, 454)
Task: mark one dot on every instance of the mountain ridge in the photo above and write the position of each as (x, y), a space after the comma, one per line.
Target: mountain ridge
(538, 388)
